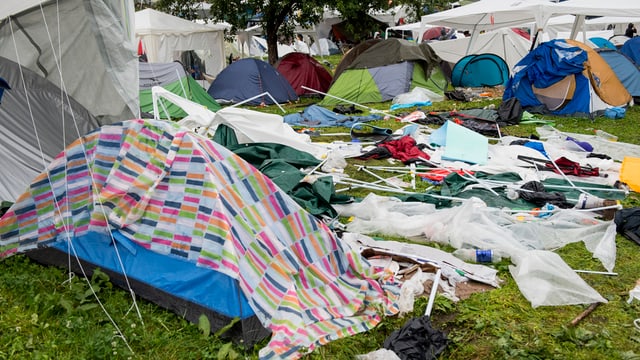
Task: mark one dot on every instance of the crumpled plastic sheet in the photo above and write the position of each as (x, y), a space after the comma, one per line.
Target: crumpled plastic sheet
(615, 149)
(545, 279)
(473, 224)
(418, 94)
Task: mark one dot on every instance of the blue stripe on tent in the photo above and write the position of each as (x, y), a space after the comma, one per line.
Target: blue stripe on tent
(626, 71)
(173, 275)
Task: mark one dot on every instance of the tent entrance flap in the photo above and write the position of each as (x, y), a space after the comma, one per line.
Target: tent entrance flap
(557, 95)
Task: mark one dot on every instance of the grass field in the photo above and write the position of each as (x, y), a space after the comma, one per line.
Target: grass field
(48, 315)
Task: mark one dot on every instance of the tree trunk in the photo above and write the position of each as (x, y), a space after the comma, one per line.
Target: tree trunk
(272, 44)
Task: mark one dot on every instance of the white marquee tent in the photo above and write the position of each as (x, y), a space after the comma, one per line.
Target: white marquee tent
(165, 37)
(495, 14)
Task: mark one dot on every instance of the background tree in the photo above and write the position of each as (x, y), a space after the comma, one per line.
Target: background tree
(186, 9)
(280, 17)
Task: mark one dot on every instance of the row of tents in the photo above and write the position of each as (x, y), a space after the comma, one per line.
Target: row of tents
(379, 70)
(374, 71)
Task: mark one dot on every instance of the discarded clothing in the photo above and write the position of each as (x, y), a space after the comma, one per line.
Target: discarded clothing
(404, 149)
(317, 116)
(628, 223)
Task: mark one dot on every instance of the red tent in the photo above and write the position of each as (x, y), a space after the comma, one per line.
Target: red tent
(301, 69)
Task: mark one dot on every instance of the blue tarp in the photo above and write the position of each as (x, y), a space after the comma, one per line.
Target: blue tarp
(318, 116)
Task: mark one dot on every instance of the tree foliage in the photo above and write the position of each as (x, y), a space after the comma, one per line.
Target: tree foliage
(280, 18)
(186, 9)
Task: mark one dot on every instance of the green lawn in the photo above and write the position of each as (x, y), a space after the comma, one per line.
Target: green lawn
(46, 315)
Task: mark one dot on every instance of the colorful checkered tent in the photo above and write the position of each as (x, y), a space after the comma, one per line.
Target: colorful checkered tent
(192, 220)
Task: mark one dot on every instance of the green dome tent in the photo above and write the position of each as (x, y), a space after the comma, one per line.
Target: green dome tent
(388, 68)
(174, 78)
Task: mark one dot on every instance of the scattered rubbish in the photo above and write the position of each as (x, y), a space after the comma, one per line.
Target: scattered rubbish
(478, 255)
(605, 135)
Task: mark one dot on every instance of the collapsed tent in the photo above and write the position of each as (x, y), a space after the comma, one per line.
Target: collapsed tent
(246, 79)
(174, 78)
(564, 79)
(301, 69)
(98, 63)
(243, 123)
(165, 37)
(480, 70)
(37, 121)
(388, 68)
(180, 223)
(603, 79)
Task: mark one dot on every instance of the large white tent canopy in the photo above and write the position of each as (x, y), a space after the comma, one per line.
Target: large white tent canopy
(506, 43)
(165, 37)
(495, 14)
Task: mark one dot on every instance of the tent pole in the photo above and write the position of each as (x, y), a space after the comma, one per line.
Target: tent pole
(184, 91)
(351, 102)
(362, 168)
(257, 96)
(434, 290)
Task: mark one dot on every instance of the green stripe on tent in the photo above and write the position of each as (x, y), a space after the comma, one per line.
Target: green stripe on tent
(186, 87)
(355, 85)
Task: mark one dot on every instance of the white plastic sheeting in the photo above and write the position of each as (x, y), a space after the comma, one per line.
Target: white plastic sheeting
(473, 224)
(250, 126)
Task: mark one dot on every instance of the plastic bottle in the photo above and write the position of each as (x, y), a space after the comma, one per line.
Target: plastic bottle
(605, 135)
(477, 255)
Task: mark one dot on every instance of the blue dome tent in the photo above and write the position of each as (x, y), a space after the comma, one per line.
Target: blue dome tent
(247, 78)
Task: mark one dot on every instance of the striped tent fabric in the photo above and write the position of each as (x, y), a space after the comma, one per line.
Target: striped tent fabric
(179, 194)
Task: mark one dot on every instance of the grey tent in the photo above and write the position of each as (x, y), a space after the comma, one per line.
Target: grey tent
(86, 47)
(52, 127)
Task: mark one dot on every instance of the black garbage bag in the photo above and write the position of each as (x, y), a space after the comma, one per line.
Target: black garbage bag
(535, 193)
(628, 223)
(417, 340)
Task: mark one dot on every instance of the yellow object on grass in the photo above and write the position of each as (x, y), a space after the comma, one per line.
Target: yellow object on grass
(630, 172)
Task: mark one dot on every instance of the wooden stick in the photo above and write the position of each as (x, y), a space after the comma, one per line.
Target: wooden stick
(585, 313)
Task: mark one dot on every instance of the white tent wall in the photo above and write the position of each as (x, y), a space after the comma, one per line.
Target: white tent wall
(83, 46)
(506, 43)
(165, 36)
